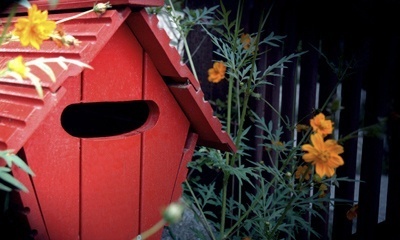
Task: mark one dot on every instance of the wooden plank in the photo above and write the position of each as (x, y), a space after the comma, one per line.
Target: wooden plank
(163, 146)
(393, 196)
(349, 122)
(117, 74)
(111, 165)
(21, 116)
(110, 187)
(37, 224)
(183, 169)
(156, 43)
(82, 4)
(308, 92)
(376, 106)
(54, 157)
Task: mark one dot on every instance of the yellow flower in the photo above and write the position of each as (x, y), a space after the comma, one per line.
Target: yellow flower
(324, 155)
(303, 171)
(217, 72)
(35, 28)
(17, 65)
(321, 125)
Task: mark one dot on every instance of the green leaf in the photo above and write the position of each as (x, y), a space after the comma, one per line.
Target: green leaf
(5, 188)
(5, 155)
(25, 3)
(53, 3)
(21, 164)
(4, 175)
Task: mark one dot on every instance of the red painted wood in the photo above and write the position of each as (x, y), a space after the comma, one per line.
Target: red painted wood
(155, 42)
(167, 60)
(122, 81)
(29, 200)
(162, 148)
(111, 166)
(94, 32)
(76, 4)
(21, 112)
(187, 155)
(54, 156)
(112, 187)
(201, 116)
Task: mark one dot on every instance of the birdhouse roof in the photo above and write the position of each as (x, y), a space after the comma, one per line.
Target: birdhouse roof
(22, 110)
(75, 4)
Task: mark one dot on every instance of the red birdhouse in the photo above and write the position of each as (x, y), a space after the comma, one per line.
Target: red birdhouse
(109, 145)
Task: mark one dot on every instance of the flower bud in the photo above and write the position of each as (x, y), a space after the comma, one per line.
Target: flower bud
(101, 8)
(317, 178)
(70, 40)
(173, 213)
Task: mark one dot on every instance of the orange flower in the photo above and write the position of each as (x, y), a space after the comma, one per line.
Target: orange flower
(35, 28)
(217, 72)
(323, 189)
(58, 34)
(245, 39)
(324, 155)
(352, 213)
(301, 127)
(321, 125)
(303, 171)
(63, 39)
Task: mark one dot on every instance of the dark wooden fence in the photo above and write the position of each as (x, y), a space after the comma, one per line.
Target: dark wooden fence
(362, 38)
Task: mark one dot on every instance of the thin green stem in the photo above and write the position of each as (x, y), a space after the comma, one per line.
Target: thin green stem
(190, 58)
(196, 49)
(189, 55)
(340, 79)
(282, 217)
(247, 94)
(74, 17)
(148, 233)
(8, 23)
(234, 227)
(229, 113)
(276, 111)
(354, 134)
(199, 207)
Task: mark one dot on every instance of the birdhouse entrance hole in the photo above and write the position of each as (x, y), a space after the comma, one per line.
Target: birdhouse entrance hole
(105, 119)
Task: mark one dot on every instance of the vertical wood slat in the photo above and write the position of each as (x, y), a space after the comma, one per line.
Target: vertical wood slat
(308, 91)
(392, 208)
(328, 80)
(376, 106)
(392, 223)
(349, 122)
